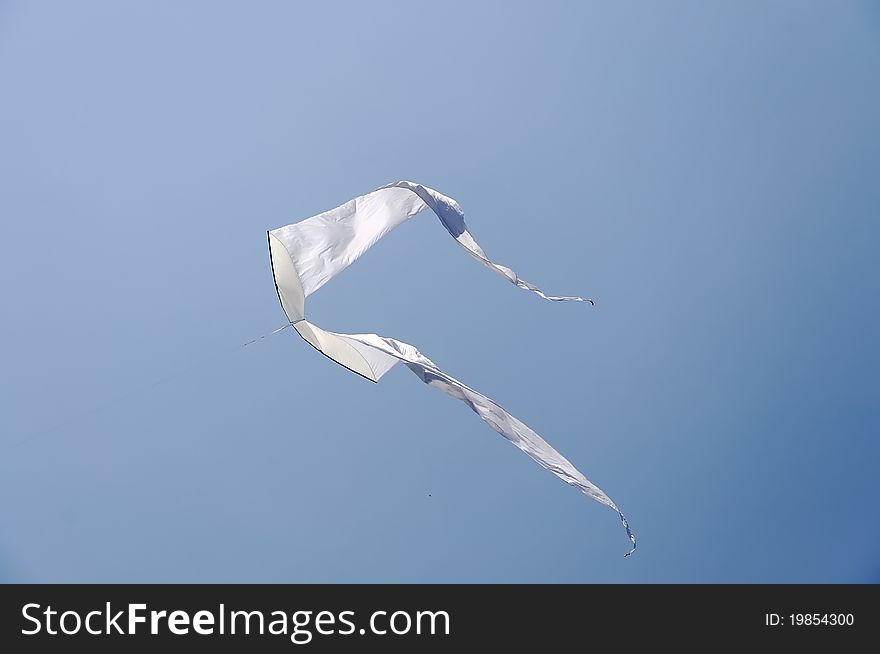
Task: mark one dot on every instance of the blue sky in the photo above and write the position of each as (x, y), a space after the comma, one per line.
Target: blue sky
(707, 171)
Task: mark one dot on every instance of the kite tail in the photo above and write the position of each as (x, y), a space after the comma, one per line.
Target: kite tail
(629, 533)
(493, 414)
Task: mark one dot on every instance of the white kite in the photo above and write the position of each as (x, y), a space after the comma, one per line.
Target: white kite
(308, 254)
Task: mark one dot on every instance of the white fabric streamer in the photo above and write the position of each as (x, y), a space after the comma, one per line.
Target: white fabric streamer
(308, 254)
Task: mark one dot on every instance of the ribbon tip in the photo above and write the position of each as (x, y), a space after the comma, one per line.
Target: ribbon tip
(632, 536)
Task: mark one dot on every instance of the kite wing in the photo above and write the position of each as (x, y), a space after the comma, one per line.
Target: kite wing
(308, 254)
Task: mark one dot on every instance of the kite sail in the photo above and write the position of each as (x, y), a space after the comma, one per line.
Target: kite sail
(308, 254)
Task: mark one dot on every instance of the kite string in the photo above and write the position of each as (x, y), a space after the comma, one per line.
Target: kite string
(256, 340)
(184, 370)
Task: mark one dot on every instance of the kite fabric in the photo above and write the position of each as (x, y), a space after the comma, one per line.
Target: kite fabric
(308, 254)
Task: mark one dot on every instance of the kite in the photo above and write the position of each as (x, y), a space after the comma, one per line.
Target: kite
(308, 254)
